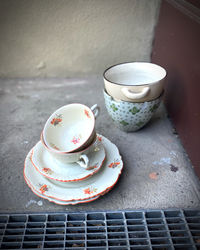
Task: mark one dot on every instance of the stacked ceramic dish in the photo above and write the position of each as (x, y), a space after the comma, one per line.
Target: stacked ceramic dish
(71, 163)
(133, 93)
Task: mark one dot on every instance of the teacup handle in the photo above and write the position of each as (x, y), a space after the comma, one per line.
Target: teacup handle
(132, 95)
(83, 161)
(95, 109)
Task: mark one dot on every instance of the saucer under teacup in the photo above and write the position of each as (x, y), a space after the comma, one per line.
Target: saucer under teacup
(49, 167)
(89, 188)
(58, 202)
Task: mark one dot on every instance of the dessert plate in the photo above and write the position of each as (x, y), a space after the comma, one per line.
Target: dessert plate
(89, 188)
(65, 202)
(46, 165)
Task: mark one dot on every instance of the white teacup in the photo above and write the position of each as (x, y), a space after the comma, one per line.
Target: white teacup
(80, 157)
(135, 81)
(70, 128)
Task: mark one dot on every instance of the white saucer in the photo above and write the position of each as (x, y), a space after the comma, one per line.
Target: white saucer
(65, 202)
(52, 169)
(89, 188)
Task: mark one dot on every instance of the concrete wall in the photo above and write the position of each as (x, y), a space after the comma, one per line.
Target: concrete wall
(65, 38)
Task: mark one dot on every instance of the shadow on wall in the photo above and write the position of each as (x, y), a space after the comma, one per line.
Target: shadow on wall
(66, 38)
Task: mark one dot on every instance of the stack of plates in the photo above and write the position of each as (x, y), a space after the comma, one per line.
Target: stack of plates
(69, 184)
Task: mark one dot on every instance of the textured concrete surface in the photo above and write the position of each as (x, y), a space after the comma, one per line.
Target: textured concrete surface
(69, 37)
(157, 172)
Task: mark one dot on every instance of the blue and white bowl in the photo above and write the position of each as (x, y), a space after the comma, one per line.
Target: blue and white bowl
(130, 116)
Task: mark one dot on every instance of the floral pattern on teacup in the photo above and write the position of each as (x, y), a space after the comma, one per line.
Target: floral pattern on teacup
(114, 164)
(54, 146)
(99, 138)
(87, 113)
(90, 190)
(57, 120)
(43, 188)
(76, 139)
(47, 171)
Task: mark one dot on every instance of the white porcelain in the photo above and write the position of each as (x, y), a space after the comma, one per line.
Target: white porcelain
(70, 128)
(79, 157)
(96, 185)
(46, 165)
(134, 81)
(75, 202)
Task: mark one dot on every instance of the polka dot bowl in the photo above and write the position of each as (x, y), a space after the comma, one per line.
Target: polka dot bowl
(130, 116)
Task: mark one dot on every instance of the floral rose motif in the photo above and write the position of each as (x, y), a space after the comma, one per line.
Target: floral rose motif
(87, 113)
(90, 190)
(99, 138)
(43, 188)
(75, 139)
(114, 164)
(47, 170)
(57, 120)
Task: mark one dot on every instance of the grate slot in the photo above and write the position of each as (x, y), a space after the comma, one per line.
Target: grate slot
(54, 237)
(73, 244)
(28, 245)
(154, 221)
(75, 230)
(183, 247)
(181, 240)
(96, 216)
(55, 224)
(177, 227)
(140, 242)
(3, 218)
(76, 217)
(193, 220)
(163, 247)
(16, 225)
(10, 245)
(34, 231)
(115, 229)
(55, 231)
(134, 215)
(160, 241)
(2, 226)
(76, 224)
(194, 226)
(155, 234)
(116, 236)
(35, 225)
(12, 238)
(37, 218)
(140, 248)
(95, 223)
(33, 238)
(191, 213)
(114, 216)
(157, 227)
(75, 237)
(118, 242)
(55, 244)
(153, 214)
(137, 235)
(17, 218)
(173, 213)
(115, 222)
(56, 217)
(96, 236)
(14, 232)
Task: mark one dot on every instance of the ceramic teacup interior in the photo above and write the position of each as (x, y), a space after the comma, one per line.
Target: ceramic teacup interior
(136, 73)
(69, 127)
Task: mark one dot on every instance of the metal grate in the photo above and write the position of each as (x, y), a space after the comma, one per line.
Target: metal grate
(120, 230)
